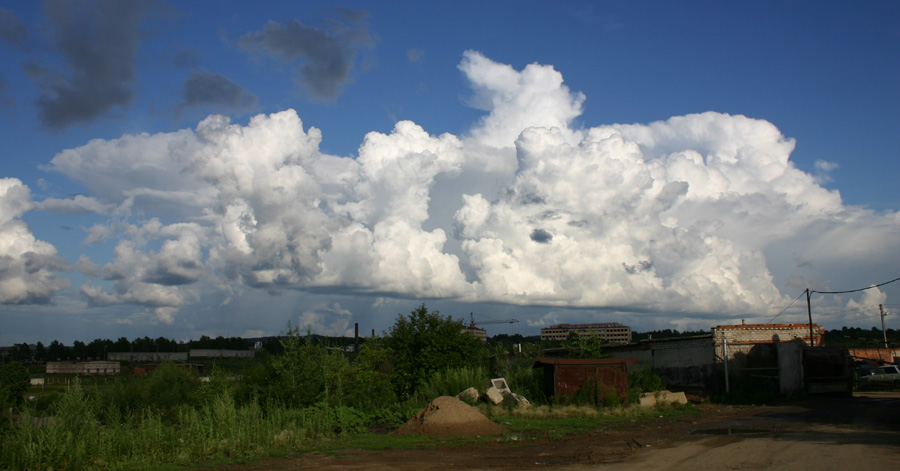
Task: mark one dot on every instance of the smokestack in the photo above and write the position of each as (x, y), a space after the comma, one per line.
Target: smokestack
(356, 338)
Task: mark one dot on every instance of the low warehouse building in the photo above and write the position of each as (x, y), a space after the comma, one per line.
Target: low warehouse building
(221, 353)
(83, 368)
(147, 356)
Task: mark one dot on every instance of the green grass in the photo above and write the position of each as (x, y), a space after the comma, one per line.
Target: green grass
(87, 434)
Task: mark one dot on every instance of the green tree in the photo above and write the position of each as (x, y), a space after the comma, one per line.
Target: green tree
(122, 345)
(21, 352)
(369, 379)
(424, 342)
(13, 383)
(58, 352)
(98, 348)
(306, 373)
(79, 349)
(169, 386)
(40, 353)
(585, 346)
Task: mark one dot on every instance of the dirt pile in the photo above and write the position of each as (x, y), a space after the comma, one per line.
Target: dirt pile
(449, 417)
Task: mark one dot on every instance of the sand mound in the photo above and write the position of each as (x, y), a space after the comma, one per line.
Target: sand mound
(449, 417)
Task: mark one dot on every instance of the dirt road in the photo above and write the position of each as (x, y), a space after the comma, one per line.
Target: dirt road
(822, 434)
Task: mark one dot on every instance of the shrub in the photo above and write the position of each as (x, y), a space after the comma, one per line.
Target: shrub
(423, 343)
(305, 374)
(169, 386)
(452, 381)
(13, 383)
(368, 382)
(641, 381)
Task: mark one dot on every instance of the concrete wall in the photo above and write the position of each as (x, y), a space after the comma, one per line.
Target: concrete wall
(790, 367)
(685, 364)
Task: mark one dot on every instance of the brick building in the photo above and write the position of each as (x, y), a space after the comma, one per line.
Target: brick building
(740, 339)
(612, 332)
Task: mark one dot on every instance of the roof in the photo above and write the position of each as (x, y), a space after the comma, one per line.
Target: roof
(541, 362)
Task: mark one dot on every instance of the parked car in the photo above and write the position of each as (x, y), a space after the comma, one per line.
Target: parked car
(883, 375)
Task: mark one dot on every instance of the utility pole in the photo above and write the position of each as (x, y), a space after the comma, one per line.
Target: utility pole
(725, 358)
(884, 332)
(812, 338)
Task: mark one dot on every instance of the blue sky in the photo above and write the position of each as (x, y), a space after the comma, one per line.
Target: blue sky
(663, 165)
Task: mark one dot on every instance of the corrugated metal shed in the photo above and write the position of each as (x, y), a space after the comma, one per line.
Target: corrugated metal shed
(565, 377)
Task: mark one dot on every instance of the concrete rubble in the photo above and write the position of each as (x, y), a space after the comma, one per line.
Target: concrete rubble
(651, 399)
(498, 393)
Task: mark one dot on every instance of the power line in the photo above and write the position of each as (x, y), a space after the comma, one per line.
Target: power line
(788, 307)
(809, 292)
(856, 290)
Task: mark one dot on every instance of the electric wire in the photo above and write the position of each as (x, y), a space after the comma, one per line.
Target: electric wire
(788, 307)
(855, 290)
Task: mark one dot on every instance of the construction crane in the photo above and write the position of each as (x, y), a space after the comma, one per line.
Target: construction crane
(472, 322)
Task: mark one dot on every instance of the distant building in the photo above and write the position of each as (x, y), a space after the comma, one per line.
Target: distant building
(147, 356)
(476, 332)
(612, 332)
(83, 367)
(778, 353)
(220, 353)
(736, 336)
(147, 369)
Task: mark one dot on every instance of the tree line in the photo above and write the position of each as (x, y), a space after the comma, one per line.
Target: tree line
(98, 348)
(849, 337)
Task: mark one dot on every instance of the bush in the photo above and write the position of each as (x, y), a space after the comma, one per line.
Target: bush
(522, 378)
(450, 382)
(305, 374)
(368, 382)
(427, 342)
(13, 383)
(641, 381)
(169, 386)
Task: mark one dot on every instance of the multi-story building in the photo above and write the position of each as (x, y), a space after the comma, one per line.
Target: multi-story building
(476, 332)
(612, 332)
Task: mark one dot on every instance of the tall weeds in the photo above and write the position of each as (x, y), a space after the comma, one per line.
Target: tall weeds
(81, 434)
(450, 382)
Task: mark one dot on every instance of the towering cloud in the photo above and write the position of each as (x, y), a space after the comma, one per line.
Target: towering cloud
(674, 216)
(26, 264)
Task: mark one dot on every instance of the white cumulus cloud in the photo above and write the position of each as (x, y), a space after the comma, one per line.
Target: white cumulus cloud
(27, 265)
(694, 214)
